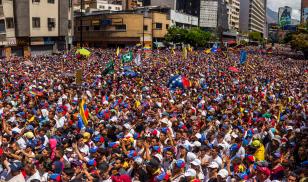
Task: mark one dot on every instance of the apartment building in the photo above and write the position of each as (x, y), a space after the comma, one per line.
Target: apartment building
(233, 7)
(124, 28)
(34, 27)
(252, 16)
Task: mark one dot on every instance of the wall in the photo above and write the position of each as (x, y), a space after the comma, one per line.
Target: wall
(183, 18)
(44, 10)
(22, 19)
(208, 13)
(8, 13)
(244, 16)
(160, 18)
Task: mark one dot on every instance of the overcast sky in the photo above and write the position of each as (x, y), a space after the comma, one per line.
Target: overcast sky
(294, 4)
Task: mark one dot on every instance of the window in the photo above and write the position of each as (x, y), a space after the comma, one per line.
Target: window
(51, 1)
(145, 28)
(70, 3)
(87, 28)
(167, 26)
(9, 22)
(96, 27)
(109, 7)
(35, 1)
(2, 26)
(78, 29)
(120, 27)
(158, 25)
(69, 24)
(36, 22)
(0, 2)
(51, 23)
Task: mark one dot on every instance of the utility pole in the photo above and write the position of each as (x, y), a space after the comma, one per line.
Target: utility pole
(81, 16)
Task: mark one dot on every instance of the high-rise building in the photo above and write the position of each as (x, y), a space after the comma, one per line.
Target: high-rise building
(304, 11)
(213, 14)
(34, 26)
(284, 16)
(252, 16)
(233, 7)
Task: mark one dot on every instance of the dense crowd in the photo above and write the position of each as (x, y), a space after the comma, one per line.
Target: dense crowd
(245, 125)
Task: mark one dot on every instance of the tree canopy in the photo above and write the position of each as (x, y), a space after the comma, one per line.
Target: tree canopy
(193, 36)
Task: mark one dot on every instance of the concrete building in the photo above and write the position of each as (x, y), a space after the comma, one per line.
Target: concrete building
(101, 29)
(106, 5)
(35, 27)
(213, 15)
(233, 7)
(304, 11)
(183, 20)
(252, 16)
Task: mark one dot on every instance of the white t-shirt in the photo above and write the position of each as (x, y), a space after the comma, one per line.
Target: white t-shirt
(36, 175)
(17, 178)
(218, 161)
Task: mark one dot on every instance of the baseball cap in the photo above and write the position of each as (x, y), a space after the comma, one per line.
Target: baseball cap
(223, 173)
(180, 163)
(196, 162)
(190, 173)
(264, 170)
(213, 165)
(86, 136)
(16, 166)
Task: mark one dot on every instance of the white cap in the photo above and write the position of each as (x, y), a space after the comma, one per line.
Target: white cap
(164, 120)
(289, 128)
(190, 173)
(196, 162)
(105, 102)
(191, 157)
(223, 173)
(138, 160)
(197, 144)
(127, 126)
(198, 135)
(213, 165)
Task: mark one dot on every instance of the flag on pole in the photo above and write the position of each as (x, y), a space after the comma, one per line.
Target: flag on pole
(138, 60)
(83, 112)
(243, 57)
(172, 51)
(184, 53)
(109, 68)
(128, 57)
(207, 51)
(118, 51)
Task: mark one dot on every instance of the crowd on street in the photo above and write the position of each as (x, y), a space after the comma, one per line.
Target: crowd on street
(248, 123)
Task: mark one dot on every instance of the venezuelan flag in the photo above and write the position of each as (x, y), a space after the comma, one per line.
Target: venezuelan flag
(83, 112)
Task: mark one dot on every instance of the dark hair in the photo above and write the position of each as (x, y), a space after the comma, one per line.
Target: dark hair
(68, 171)
(293, 174)
(35, 180)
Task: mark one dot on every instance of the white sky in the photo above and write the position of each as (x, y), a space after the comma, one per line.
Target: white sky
(294, 4)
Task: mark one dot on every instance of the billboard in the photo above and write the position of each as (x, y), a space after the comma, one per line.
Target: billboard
(305, 14)
(284, 16)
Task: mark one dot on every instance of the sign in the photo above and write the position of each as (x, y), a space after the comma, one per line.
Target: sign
(95, 22)
(22, 41)
(78, 77)
(11, 41)
(37, 41)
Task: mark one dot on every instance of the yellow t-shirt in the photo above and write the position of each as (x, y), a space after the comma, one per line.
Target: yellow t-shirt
(259, 154)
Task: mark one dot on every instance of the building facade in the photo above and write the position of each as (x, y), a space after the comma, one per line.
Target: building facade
(106, 5)
(252, 16)
(28, 29)
(304, 11)
(233, 7)
(122, 28)
(213, 15)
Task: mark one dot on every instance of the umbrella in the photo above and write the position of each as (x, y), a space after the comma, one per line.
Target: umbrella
(233, 69)
(83, 52)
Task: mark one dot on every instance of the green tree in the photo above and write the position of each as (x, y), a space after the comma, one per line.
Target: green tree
(193, 36)
(255, 36)
(300, 42)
